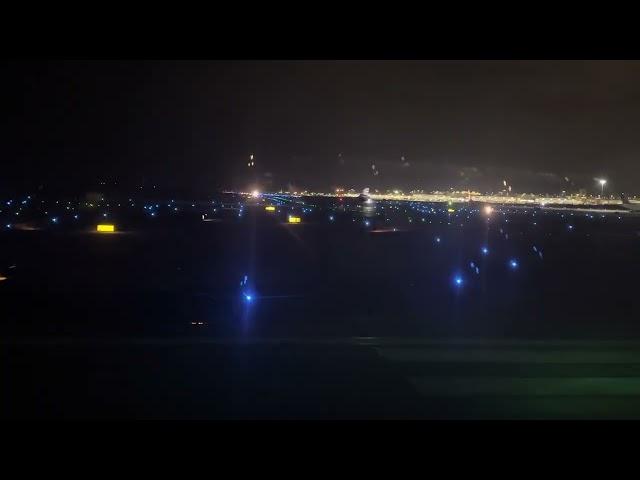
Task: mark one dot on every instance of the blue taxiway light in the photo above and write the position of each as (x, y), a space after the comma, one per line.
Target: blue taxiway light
(485, 251)
(513, 263)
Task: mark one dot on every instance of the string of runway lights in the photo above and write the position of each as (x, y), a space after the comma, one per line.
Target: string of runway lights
(280, 200)
(10, 209)
(57, 212)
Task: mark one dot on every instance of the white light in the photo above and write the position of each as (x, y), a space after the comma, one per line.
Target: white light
(488, 209)
(255, 194)
(602, 181)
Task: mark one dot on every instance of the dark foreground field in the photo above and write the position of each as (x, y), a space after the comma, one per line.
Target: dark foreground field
(344, 320)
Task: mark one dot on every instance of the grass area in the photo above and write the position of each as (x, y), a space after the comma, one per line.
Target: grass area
(523, 380)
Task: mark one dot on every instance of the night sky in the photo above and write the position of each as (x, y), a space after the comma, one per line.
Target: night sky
(322, 124)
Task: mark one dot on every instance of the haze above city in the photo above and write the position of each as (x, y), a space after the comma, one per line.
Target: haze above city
(544, 126)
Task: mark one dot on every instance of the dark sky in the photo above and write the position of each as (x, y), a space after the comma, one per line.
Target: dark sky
(320, 124)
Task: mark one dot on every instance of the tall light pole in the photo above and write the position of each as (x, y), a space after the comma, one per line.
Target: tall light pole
(603, 182)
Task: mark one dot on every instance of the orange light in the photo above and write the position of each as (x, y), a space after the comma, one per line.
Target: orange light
(106, 228)
(293, 219)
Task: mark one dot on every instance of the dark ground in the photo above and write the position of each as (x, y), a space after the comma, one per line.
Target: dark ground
(347, 321)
